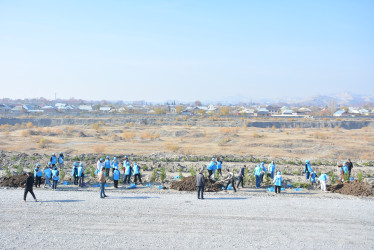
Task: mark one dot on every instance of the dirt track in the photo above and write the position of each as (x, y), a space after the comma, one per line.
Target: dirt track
(152, 219)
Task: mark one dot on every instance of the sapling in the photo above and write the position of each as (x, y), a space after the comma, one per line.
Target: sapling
(7, 171)
(360, 177)
(192, 171)
(19, 170)
(180, 173)
(163, 174)
(154, 175)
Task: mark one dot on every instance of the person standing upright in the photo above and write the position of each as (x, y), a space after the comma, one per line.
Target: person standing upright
(38, 173)
(116, 176)
(75, 173)
(102, 181)
(61, 159)
(219, 167)
(322, 179)
(271, 169)
(81, 174)
(137, 174)
(200, 183)
(115, 164)
(241, 176)
(350, 166)
(55, 177)
(278, 183)
(211, 167)
(257, 174)
(308, 169)
(28, 187)
(53, 159)
(127, 170)
(107, 166)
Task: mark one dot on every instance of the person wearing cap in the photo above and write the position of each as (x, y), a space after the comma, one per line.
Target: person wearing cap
(322, 179)
(271, 169)
(53, 159)
(257, 173)
(102, 181)
(127, 170)
(80, 174)
(107, 166)
(263, 171)
(28, 186)
(99, 165)
(137, 174)
(74, 172)
(47, 175)
(114, 164)
(278, 183)
(230, 179)
(200, 183)
(116, 176)
(55, 177)
(38, 173)
(241, 176)
(61, 159)
(308, 169)
(219, 167)
(211, 167)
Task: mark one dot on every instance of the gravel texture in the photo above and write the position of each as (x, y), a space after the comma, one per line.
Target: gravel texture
(148, 218)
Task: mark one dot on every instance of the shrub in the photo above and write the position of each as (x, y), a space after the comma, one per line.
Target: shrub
(359, 177)
(62, 174)
(44, 143)
(346, 177)
(180, 173)
(284, 172)
(19, 170)
(163, 174)
(99, 149)
(296, 172)
(154, 175)
(128, 135)
(332, 177)
(145, 167)
(192, 171)
(7, 171)
(92, 172)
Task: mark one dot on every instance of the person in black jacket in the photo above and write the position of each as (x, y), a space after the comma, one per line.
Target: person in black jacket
(28, 187)
(350, 166)
(200, 183)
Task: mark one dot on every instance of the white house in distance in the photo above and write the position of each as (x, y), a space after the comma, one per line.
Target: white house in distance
(105, 109)
(85, 108)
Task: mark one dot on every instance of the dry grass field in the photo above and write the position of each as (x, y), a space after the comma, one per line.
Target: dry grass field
(296, 143)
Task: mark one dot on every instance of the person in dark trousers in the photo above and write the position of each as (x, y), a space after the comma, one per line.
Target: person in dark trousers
(75, 173)
(241, 176)
(350, 166)
(81, 174)
(102, 181)
(200, 183)
(55, 177)
(28, 187)
(38, 175)
(230, 180)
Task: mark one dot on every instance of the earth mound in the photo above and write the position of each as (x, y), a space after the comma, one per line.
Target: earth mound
(14, 181)
(189, 184)
(352, 188)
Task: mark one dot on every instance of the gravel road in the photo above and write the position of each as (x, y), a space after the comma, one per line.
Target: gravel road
(154, 219)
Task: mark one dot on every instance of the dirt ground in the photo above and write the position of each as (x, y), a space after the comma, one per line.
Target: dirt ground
(148, 218)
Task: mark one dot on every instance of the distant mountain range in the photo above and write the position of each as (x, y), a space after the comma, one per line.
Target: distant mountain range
(342, 99)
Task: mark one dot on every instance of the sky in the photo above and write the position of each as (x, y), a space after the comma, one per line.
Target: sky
(185, 50)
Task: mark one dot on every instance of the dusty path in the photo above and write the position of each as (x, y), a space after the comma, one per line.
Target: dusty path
(153, 220)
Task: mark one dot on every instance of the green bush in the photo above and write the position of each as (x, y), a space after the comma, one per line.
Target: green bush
(192, 171)
(163, 174)
(332, 178)
(296, 172)
(92, 172)
(180, 173)
(359, 177)
(154, 175)
(62, 175)
(284, 172)
(19, 170)
(7, 171)
(145, 167)
(346, 177)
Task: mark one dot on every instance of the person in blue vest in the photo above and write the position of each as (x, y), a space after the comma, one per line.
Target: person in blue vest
(322, 179)
(38, 173)
(74, 172)
(278, 183)
(308, 169)
(344, 170)
(137, 174)
(127, 170)
(257, 174)
(53, 159)
(116, 176)
(271, 169)
(107, 166)
(211, 167)
(313, 176)
(61, 159)
(55, 177)
(219, 166)
(115, 164)
(47, 176)
(81, 174)
(263, 172)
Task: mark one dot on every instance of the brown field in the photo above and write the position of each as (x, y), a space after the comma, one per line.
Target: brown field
(294, 143)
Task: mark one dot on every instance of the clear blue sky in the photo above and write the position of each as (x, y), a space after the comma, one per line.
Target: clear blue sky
(185, 50)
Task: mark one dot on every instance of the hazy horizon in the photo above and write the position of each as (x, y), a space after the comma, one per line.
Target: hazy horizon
(185, 50)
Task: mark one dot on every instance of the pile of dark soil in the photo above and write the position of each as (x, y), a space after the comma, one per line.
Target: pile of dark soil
(14, 181)
(352, 188)
(189, 184)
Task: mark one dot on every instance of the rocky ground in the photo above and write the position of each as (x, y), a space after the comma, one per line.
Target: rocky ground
(149, 218)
